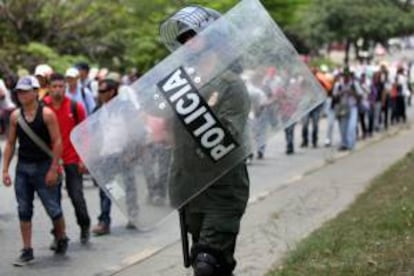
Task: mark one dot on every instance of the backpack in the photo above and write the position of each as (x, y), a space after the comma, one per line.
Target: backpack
(84, 99)
(73, 109)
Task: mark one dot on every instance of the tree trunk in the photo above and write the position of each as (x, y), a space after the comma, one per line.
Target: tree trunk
(347, 49)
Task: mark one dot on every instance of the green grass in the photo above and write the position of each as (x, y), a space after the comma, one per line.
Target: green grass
(375, 236)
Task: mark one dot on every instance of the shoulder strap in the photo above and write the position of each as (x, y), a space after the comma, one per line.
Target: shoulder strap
(35, 138)
(85, 100)
(74, 110)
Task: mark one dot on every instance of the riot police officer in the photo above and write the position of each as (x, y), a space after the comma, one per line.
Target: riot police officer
(213, 217)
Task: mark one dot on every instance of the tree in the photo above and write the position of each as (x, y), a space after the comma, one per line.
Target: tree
(351, 20)
(68, 27)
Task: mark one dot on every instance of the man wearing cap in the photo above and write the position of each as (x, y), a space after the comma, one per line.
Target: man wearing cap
(213, 217)
(37, 168)
(74, 90)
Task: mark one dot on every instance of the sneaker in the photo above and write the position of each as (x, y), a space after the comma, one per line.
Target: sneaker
(84, 235)
(101, 229)
(25, 258)
(53, 245)
(131, 226)
(62, 246)
(158, 200)
(54, 242)
(342, 148)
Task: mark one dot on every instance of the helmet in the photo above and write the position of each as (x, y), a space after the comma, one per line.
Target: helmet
(192, 18)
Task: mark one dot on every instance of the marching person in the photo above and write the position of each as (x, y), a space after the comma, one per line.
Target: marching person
(70, 113)
(108, 89)
(213, 217)
(36, 170)
(76, 91)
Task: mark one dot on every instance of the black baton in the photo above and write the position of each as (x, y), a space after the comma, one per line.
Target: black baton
(184, 238)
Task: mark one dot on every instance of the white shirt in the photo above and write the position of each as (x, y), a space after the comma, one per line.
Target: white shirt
(6, 102)
(402, 80)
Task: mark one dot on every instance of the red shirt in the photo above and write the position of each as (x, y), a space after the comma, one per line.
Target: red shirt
(67, 122)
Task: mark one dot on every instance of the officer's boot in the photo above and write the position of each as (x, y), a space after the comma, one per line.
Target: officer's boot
(205, 265)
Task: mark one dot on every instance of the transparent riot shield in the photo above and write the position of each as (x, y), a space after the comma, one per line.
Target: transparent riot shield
(185, 124)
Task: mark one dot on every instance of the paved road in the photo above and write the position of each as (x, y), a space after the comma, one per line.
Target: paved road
(276, 223)
(106, 255)
(123, 247)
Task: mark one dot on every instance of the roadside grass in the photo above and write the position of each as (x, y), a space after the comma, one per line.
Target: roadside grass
(375, 236)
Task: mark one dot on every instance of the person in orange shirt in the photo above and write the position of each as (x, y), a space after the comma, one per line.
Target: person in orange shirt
(42, 73)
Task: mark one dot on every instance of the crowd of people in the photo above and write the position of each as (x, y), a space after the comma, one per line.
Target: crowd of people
(361, 100)
(40, 110)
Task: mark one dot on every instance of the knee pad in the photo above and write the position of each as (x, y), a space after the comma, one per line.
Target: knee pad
(205, 264)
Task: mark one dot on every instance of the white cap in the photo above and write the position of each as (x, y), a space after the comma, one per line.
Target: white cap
(102, 73)
(35, 82)
(113, 76)
(27, 83)
(72, 73)
(92, 73)
(43, 70)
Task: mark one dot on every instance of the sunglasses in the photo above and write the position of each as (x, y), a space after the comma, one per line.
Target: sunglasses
(102, 91)
(186, 36)
(57, 85)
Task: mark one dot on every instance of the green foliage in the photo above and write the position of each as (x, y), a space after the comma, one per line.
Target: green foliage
(285, 12)
(41, 53)
(317, 62)
(124, 33)
(342, 20)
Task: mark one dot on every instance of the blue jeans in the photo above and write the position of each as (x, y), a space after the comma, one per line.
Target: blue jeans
(105, 201)
(347, 128)
(290, 135)
(313, 116)
(30, 178)
(352, 127)
(155, 164)
(128, 179)
(330, 115)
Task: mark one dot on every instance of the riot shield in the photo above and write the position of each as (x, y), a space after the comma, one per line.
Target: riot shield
(184, 124)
